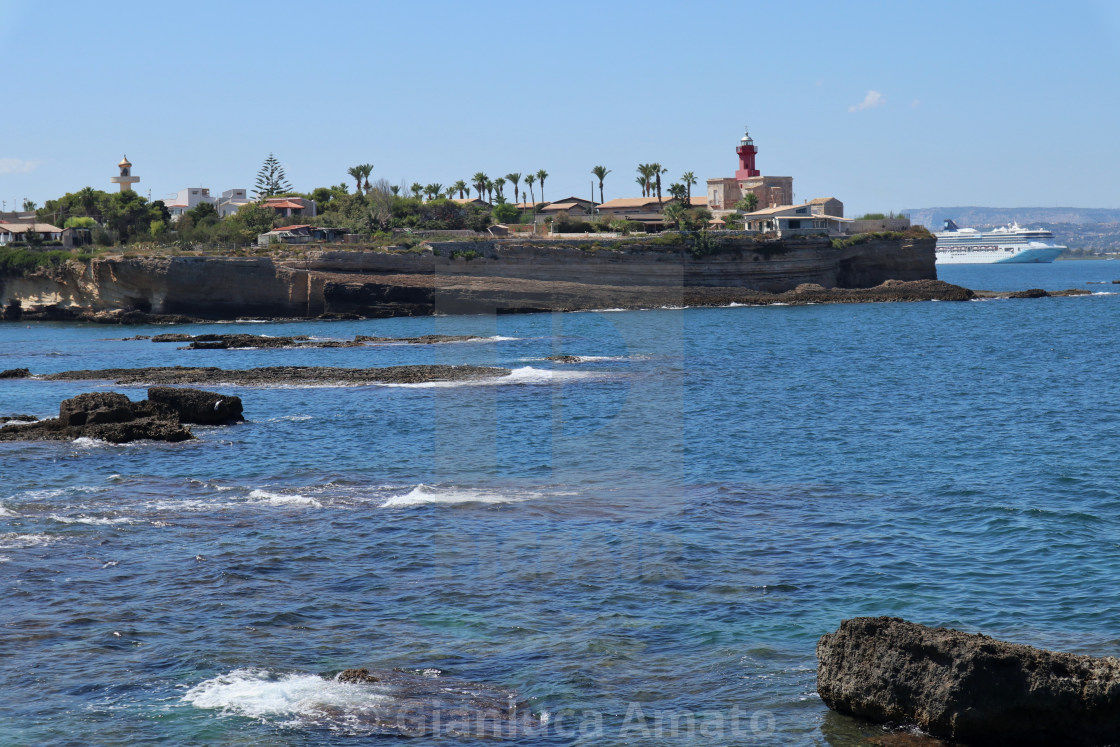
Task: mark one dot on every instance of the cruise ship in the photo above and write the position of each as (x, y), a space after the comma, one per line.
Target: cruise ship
(1005, 245)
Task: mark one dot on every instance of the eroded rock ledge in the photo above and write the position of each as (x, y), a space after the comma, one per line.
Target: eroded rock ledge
(113, 417)
(238, 341)
(283, 375)
(968, 688)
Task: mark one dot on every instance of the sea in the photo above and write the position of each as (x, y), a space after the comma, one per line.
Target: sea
(641, 548)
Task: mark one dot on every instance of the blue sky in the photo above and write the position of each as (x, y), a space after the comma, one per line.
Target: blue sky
(885, 105)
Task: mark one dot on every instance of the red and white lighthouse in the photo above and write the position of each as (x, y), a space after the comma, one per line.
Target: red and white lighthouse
(747, 151)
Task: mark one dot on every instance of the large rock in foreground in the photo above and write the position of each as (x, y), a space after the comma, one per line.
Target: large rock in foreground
(968, 688)
(197, 406)
(113, 417)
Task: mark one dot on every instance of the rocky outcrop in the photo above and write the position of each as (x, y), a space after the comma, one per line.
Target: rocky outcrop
(197, 406)
(106, 416)
(968, 688)
(15, 373)
(291, 375)
(239, 341)
(113, 417)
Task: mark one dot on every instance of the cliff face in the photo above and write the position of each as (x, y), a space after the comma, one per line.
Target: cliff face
(499, 275)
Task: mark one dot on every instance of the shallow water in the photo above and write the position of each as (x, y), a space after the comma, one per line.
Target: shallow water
(645, 547)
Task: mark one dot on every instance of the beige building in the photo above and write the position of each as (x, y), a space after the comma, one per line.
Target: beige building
(642, 209)
(771, 191)
(794, 220)
(571, 206)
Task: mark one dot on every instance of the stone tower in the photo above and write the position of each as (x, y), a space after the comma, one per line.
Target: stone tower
(126, 179)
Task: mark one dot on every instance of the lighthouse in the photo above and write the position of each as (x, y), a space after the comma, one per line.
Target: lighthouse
(126, 179)
(747, 151)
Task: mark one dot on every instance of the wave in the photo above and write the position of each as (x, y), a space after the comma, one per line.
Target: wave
(259, 693)
(423, 495)
(7, 513)
(523, 375)
(282, 499)
(15, 541)
(91, 520)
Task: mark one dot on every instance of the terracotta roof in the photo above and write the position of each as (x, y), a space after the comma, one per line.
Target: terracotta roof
(637, 202)
(292, 228)
(560, 206)
(528, 205)
(25, 227)
(820, 200)
(282, 203)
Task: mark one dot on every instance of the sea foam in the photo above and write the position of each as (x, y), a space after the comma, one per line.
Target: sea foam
(258, 693)
(424, 494)
(281, 499)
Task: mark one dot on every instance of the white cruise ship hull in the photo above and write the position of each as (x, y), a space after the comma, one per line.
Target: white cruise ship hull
(991, 255)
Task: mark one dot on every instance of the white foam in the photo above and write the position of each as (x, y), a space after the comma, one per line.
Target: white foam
(85, 442)
(289, 418)
(14, 541)
(6, 513)
(523, 375)
(281, 499)
(258, 693)
(423, 495)
(91, 520)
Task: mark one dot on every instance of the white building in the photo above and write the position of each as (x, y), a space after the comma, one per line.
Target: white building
(191, 197)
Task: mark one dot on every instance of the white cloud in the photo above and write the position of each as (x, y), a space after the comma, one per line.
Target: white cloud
(16, 166)
(870, 101)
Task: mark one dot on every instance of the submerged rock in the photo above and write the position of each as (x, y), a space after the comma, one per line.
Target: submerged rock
(429, 704)
(564, 358)
(15, 373)
(968, 688)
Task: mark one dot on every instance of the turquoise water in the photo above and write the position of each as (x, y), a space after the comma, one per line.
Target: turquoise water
(645, 546)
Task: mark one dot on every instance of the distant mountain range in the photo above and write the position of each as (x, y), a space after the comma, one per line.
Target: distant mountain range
(1089, 229)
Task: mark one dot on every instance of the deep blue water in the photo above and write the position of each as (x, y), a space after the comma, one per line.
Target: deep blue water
(664, 530)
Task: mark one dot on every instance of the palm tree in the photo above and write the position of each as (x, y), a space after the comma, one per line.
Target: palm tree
(678, 191)
(689, 179)
(643, 177)
(531, 179)
(657, 172)
(367, 169)
(433, 190)
(489, 191)
(541, 176)
(416, 188)
(479, 182)
(395, 189)
(499, 186)
(450, 193)
(600, 172)
(515, 179)
(460, 187)
(356, 174)
(675, 212)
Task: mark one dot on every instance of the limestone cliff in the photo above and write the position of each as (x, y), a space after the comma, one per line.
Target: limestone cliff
(484, 276)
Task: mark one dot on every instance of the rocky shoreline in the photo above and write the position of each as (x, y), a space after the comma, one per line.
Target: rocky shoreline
(477, 295)
(275, 375)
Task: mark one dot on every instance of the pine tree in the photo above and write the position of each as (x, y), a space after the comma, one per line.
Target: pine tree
(270, 179)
